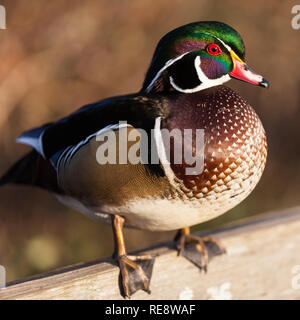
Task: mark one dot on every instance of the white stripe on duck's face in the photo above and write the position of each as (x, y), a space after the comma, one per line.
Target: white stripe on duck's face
(186, 75)
(195, 70)
(204, 81)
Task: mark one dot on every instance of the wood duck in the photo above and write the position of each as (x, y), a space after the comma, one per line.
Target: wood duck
(183, 90)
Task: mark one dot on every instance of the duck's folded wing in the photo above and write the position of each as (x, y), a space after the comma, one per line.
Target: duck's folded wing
(136, 110)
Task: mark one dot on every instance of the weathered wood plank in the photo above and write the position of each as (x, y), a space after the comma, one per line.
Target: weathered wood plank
(262, 262)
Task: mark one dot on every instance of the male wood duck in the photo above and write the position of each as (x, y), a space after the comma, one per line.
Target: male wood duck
(183, 89)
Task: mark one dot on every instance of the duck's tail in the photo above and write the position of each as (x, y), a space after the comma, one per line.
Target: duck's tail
(23, 171)
(32, 169)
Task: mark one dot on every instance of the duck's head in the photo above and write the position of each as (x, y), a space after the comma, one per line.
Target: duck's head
(197, 56)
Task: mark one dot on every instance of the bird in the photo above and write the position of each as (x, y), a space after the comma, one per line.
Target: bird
(122, 160)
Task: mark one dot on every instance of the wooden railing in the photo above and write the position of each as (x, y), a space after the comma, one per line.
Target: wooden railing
(262, 262)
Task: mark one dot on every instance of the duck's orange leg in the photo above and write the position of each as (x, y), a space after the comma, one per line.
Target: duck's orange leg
(135, 271)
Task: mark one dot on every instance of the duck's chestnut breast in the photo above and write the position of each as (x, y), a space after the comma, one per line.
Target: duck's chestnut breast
(235, 147)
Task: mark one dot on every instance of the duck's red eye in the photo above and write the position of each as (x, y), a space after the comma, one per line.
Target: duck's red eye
(213, 49)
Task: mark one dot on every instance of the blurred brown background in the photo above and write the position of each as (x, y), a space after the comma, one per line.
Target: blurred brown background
(57, 55)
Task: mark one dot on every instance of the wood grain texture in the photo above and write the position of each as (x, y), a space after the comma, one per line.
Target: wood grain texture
(262, 262)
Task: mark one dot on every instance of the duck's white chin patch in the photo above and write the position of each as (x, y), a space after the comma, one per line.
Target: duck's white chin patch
(204, 81)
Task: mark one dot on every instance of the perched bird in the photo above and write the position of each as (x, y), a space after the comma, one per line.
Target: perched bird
(79, 158)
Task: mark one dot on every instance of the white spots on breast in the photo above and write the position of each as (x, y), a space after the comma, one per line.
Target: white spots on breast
(232, 166)
(204, 190)
(213, 178)
(222, 175)
(228, 171)
(199, 195)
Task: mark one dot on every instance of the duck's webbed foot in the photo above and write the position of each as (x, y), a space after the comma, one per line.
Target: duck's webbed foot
(196, 249)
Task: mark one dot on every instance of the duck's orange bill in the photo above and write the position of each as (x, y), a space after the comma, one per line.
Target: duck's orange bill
(242, 72)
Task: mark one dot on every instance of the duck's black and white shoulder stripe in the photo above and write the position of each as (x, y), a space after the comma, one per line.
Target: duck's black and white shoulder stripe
(74, 129)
